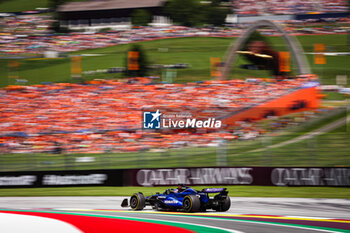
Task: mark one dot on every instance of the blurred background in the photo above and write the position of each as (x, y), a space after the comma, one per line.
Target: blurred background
(75, 77)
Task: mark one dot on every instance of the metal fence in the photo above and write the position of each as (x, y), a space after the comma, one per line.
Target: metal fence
(329, 149)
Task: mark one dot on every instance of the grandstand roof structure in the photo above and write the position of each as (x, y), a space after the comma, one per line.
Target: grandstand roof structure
(109, 5)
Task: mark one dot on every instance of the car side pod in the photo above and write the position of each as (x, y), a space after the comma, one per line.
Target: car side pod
(125, 203)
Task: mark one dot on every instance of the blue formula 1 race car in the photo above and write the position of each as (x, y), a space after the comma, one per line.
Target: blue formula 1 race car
(182, 199)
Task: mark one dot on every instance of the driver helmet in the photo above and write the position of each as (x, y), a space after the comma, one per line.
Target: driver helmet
(180, 187)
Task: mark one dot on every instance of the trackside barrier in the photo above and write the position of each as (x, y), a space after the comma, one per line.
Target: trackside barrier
(264, 176)
(61, 178)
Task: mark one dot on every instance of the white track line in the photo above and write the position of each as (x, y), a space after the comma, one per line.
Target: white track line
(165, 222)
(236, 220)
(265, 223)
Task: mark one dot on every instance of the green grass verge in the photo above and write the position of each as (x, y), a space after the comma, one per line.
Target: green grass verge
(332, 95)
(234, 191)
(194, 51)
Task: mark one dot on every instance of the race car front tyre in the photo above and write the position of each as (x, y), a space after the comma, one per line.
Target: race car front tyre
(137, 201)
(191, 203)
(224, 204)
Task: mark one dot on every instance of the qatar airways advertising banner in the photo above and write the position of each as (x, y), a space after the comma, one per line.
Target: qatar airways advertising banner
(265, 176)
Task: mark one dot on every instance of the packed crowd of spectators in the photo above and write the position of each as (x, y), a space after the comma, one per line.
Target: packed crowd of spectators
(106, 115)
(30, 34)
(38, 44)
(27, 24)
(287, 7)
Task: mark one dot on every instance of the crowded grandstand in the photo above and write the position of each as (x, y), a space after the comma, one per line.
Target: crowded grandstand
(31, 34)
(277, 7)
(104, 115)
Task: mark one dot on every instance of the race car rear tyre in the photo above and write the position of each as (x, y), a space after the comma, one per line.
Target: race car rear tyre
(191, 203)
(137, 201)
(224, 204)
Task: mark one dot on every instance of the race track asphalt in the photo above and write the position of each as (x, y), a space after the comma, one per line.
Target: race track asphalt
(249, 215)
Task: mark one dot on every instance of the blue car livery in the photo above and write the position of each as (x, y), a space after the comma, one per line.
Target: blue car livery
(182, 199)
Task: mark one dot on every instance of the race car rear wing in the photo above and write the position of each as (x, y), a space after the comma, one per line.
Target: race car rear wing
(214, 190)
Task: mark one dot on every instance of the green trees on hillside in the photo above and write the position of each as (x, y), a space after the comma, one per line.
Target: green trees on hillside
(54, 4)
(186, 13)
(194, 13)
(140, 17)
